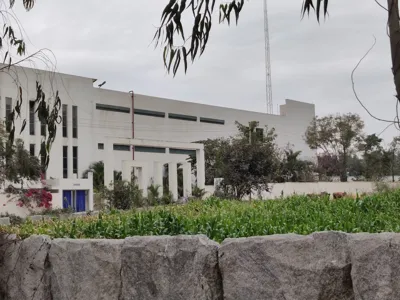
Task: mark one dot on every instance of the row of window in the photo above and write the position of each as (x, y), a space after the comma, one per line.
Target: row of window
(74, 160)
(120, 147)
(157, 114)
(65, 159)
(74, 121)
(32, 119)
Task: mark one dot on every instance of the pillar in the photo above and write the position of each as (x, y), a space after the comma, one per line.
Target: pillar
(201, 174)
(187, 179)
(108, 161)
(90, 194)
(173, 179)
(158, 176)
(126, 170)
(145, 178)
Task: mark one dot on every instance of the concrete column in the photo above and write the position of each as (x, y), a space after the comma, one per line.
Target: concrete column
(187, 179)
(201, 174)
(158, 175)
(173, 179)
(90, 193)
(145, 174)
(126, 170)
(108, 160)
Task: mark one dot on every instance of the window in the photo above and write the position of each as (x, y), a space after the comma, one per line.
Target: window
(75, 159)
(149, 113)
(149, 149)
(182, 151)
(32, 117)
(182, 117)
(65, 120)
(8, 112)
(113, 108)
(65, 161)
(75, 122)
(118, 147)
(100, 146)
(260, 134)
(32, 149)
(212, 121)
(43, 128)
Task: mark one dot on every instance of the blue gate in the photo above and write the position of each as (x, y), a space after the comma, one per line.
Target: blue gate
(80, 201)
(67, 199)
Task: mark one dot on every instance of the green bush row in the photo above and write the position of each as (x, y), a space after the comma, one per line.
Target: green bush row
(220, 219)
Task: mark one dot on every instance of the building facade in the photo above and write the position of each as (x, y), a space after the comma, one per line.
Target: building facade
(92, 114)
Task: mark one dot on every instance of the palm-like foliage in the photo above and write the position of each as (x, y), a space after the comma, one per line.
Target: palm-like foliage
(97, 168)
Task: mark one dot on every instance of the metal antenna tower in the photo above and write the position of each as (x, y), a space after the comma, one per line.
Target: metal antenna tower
(270, 104)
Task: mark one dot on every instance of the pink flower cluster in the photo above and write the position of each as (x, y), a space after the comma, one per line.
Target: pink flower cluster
(42, 197)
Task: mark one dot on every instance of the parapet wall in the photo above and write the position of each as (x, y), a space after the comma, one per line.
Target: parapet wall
(321, 266)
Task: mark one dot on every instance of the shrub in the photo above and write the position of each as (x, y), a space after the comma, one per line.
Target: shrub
(198, 193)
(123, 195)
(153, 194)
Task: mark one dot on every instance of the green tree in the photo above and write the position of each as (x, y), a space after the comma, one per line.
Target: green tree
(374, 156)
(247, 167)
(212, 161)
(294, 169)
(335, 135)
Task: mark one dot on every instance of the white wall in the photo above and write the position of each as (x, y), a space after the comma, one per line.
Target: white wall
(94, 125)
(289, 127)
(300, 188)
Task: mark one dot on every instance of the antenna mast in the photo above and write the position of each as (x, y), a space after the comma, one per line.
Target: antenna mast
(270, 105)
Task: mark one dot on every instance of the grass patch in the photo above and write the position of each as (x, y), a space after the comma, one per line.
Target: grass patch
(220, 219)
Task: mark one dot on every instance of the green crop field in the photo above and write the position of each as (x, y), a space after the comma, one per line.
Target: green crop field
(220, 219)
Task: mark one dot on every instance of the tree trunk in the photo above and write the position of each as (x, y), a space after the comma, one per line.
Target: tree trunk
(393, 158)
(394, 34)
(343, 173)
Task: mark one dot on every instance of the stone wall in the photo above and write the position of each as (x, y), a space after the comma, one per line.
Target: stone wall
(321, 266)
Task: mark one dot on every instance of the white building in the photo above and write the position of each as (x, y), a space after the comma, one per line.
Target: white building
(91, 114)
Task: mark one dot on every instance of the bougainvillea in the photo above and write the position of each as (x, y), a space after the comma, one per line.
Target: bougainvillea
(35, 198)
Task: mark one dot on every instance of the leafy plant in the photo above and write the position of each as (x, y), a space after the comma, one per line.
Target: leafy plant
(221, 219)
(97, 168)
(153, 194)
(167, 198)
(123, 195)
(198, 193)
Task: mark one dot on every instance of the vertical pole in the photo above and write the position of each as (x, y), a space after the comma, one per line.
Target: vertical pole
(200, 165)
(90, 194)
(173, 179)
(187, 179)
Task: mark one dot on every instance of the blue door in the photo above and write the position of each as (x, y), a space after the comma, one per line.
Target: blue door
(80, 201)
(67, 199)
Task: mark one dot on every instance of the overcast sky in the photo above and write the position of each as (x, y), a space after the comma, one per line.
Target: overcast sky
(310, 62)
